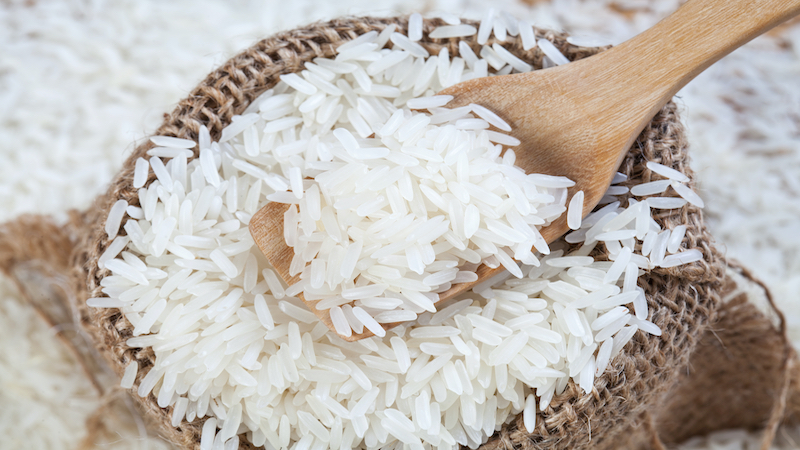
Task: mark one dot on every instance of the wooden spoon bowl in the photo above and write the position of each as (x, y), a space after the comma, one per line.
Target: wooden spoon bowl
(578, 120)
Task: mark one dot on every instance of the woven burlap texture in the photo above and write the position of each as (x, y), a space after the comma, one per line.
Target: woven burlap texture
(743, 373)
(683, 300)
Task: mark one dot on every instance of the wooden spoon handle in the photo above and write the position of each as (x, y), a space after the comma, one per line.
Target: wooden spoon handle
(653, 66)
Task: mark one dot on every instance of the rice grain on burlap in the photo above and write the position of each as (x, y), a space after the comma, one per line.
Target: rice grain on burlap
(683, 299)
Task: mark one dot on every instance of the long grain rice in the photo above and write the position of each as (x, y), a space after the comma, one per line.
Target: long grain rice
(191, 280)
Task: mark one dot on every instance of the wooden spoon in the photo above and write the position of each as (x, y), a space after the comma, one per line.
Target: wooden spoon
(579, 120)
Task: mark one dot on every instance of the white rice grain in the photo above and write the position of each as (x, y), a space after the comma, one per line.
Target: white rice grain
(140, 172)
(518, 64)
(688, 194)
(552, 52)
(415, 27)
(172, 142)
(485, 28)
(667, 172)
(452, 31)
(527, 35)
(114, 220)
(575, 211)
(653, 187)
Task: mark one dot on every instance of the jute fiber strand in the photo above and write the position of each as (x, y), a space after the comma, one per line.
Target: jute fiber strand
(684, 300)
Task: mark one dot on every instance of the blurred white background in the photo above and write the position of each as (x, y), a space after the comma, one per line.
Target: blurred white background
(81, 82)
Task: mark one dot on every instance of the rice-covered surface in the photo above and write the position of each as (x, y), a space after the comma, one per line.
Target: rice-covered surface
(27, 192)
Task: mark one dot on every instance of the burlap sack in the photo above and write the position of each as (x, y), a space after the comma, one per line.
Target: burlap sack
(632, 403)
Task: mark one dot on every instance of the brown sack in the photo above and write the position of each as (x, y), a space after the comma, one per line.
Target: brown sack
(630, 401)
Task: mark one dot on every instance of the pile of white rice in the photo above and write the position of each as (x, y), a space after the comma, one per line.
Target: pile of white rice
(87, 60)
(384, 223)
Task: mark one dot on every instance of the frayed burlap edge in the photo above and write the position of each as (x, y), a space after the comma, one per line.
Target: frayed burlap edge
(682, 299)
(36, 254)
(743, 373)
